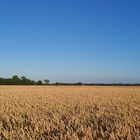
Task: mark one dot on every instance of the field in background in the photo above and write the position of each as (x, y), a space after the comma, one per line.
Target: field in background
(69, 113)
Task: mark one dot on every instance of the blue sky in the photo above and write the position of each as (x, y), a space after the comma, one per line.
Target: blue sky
(71, 40)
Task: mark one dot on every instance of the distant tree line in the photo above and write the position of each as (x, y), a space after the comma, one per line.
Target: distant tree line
(15, 80)
(95, 84)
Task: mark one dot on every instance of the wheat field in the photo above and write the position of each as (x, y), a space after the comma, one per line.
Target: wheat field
(69, 113)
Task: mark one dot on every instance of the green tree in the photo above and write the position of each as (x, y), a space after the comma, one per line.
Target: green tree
(16, 80)
(46, 81)
(39, 82)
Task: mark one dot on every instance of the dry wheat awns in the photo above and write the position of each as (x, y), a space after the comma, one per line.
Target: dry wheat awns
(69, 113)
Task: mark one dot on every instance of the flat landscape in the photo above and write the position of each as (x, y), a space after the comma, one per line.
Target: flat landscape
(69, 113)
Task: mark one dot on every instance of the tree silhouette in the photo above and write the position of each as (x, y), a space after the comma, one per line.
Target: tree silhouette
(39, 82)
(46, 81)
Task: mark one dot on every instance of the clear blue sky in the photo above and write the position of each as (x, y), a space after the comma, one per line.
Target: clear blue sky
(71, 40)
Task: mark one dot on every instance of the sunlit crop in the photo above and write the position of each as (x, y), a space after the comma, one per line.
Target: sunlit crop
(69, 113)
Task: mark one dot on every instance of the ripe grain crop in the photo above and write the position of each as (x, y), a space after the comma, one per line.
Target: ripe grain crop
(69, 113)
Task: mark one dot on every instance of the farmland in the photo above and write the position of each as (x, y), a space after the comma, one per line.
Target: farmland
(69, 113)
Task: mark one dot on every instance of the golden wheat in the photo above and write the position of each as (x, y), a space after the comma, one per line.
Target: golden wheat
(69, 113)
